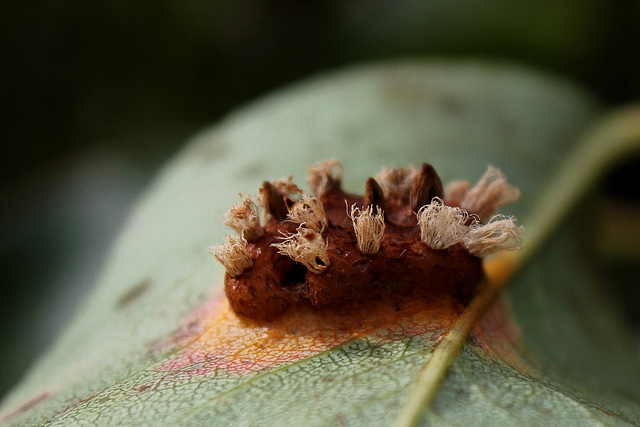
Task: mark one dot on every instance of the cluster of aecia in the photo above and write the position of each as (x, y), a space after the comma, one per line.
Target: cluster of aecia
(442, 223)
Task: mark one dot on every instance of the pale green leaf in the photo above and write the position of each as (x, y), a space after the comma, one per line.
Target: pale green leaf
(459, 116)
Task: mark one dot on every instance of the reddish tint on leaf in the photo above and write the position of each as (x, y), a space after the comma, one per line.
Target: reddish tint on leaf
(329, 269)
(498, 336)
(29, 404)
(239, 345)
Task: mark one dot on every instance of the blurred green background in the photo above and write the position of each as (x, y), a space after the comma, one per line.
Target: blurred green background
(95, 96)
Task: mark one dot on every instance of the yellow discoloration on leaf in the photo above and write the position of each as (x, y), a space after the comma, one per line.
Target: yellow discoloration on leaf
(241, 346)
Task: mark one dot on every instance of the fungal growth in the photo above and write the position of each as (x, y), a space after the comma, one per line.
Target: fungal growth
(406, 237)
(369, 228)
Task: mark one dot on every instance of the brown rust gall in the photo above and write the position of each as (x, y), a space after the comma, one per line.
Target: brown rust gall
(296, 262)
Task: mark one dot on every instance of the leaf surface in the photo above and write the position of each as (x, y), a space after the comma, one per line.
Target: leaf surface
(156, 344)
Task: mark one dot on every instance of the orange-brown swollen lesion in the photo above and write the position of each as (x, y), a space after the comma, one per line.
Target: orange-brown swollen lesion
(322, 270)
(312, 255)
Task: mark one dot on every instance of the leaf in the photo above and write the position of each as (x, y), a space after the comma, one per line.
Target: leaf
(620, 133)
(144, 349)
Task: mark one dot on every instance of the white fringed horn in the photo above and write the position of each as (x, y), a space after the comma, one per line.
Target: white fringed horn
(307, 211)
(244, 217)
(323, 175)
(369, 228)
(397, 182)
(499, 234)
(491, 192)
(306, 247)
(442, 226)
(233, 255)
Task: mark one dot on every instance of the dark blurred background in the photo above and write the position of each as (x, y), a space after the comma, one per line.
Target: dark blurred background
(95, 96)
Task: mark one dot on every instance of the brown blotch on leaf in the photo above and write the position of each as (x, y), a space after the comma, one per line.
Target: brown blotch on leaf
(133, 294)
(29, 404)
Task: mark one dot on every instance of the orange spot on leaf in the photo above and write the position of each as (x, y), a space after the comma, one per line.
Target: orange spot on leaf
(239, 345)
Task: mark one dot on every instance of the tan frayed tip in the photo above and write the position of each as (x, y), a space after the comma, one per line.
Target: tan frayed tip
(369, 228)
(307, 211)
(491, 192)
(499, 234)
(287, 187)
(397, 183)
(455, 191)
(306, 247)
(325, 175)
(442, 226)
(233, 255)
(272, 194)
(244, 217)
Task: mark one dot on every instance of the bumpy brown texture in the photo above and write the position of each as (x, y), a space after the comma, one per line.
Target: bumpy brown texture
(404, 266)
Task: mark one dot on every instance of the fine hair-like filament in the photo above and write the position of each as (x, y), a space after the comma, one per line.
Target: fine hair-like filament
(306, 247)
(442, 226)
(233, 255)
(308, 211)
(323, 175)
(369, 228)
(499, 234)
(244, 217)
(397, 182)
(491, 192)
